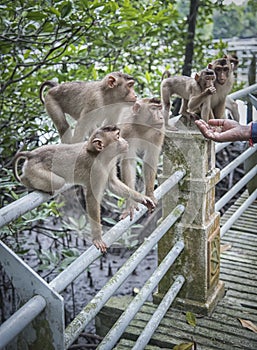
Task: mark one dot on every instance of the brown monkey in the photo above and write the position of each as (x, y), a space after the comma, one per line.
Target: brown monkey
(230, 104)
(91, 164)
(144, 130)
(79, 98)
(201, 104)
(223, 84)
(234, 60)
(188, 88)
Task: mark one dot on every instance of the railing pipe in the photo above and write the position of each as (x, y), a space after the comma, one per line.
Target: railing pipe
(219, 146)
(238, 213)
(158, 315)
(121, 324)
(234, 164)
(25, 204)
(95, 305)
(20, 319)
(91, 254)
(239, 185)
(242, 94)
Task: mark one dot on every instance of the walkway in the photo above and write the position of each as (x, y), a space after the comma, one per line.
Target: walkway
(223, 329)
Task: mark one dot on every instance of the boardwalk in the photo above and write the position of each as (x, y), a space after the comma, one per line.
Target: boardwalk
(223, 329)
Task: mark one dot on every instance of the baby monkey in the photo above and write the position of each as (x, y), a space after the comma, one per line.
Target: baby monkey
(91, 164)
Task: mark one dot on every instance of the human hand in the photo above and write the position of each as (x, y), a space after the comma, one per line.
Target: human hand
(224, 130)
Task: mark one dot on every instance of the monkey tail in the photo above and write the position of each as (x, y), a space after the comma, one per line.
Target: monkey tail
(42, 88)
(166, 74)
(20, 155)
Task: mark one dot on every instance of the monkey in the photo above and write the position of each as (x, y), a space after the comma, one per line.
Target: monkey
(201, 104)
(230, 104)
(79, 99)
(91, 163)
(144, 130)
(223, 84)
(234, 60)
(188, 88)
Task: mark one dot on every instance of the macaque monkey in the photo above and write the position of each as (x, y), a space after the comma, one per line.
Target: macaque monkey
(223, 84)
(196, 90)
(79, 99)
(201, 104)
(144, 130)
(91, 164)
(230, 104)
(234, 60)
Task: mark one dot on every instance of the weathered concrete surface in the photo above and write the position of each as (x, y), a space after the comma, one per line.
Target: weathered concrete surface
(199, 226)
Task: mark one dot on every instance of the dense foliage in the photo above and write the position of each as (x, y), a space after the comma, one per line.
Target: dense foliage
(83, 40)
(236, 21)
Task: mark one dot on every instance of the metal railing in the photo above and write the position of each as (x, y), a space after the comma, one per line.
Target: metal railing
(45, 297)
(244, 94)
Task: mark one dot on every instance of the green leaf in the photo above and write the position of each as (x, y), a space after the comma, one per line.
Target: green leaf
(66, 9)
(184, 346)
(190, 317)
(55, 11)
(110, 221)
(36, 15)
(148, 77)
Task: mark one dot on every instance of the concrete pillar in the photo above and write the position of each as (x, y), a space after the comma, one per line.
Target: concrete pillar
(199, 225)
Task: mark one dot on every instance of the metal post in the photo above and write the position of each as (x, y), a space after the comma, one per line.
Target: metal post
(47, 331)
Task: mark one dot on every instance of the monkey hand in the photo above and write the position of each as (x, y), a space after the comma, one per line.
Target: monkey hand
(211, 90)
(149, 203)
(99, 244)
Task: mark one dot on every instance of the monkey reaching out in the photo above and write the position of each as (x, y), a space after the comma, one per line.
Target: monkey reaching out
(91, 164)
(80, 99)
(144, 130)
(195, 93)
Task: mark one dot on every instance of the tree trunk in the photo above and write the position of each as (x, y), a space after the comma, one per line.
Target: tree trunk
(194, 5)
(189, 53)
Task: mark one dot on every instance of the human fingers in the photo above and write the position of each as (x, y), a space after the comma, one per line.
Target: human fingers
(216, 122)
(202, 126)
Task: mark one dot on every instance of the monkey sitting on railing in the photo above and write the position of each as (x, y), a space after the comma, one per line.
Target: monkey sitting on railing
(91, 164)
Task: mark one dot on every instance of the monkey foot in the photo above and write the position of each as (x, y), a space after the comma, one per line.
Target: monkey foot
(99, 244)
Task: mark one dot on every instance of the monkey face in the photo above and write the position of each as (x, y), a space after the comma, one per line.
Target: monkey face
(222, 68)
(114, 144)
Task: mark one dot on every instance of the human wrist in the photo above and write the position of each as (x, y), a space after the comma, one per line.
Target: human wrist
(246, 132)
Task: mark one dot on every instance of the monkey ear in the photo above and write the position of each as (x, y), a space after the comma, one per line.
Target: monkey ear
(112, 81)
(210, 66)
(95, 145)
(136, 107)
(197, 76)
(98, 144)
